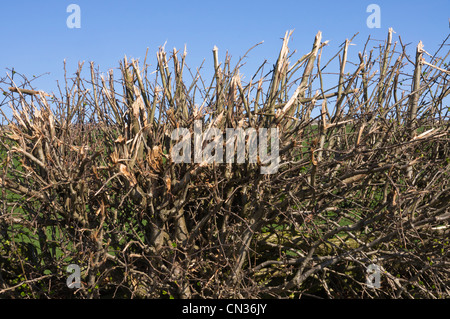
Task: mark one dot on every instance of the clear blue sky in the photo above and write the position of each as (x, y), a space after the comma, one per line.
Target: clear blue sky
(36, 39)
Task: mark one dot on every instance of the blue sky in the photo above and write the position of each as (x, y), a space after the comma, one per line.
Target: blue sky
(36, 38)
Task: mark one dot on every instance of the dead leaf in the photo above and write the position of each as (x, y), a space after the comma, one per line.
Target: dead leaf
(120, 139)
(154, 159)
(124, 170)
(114, 157)
(168, 183)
